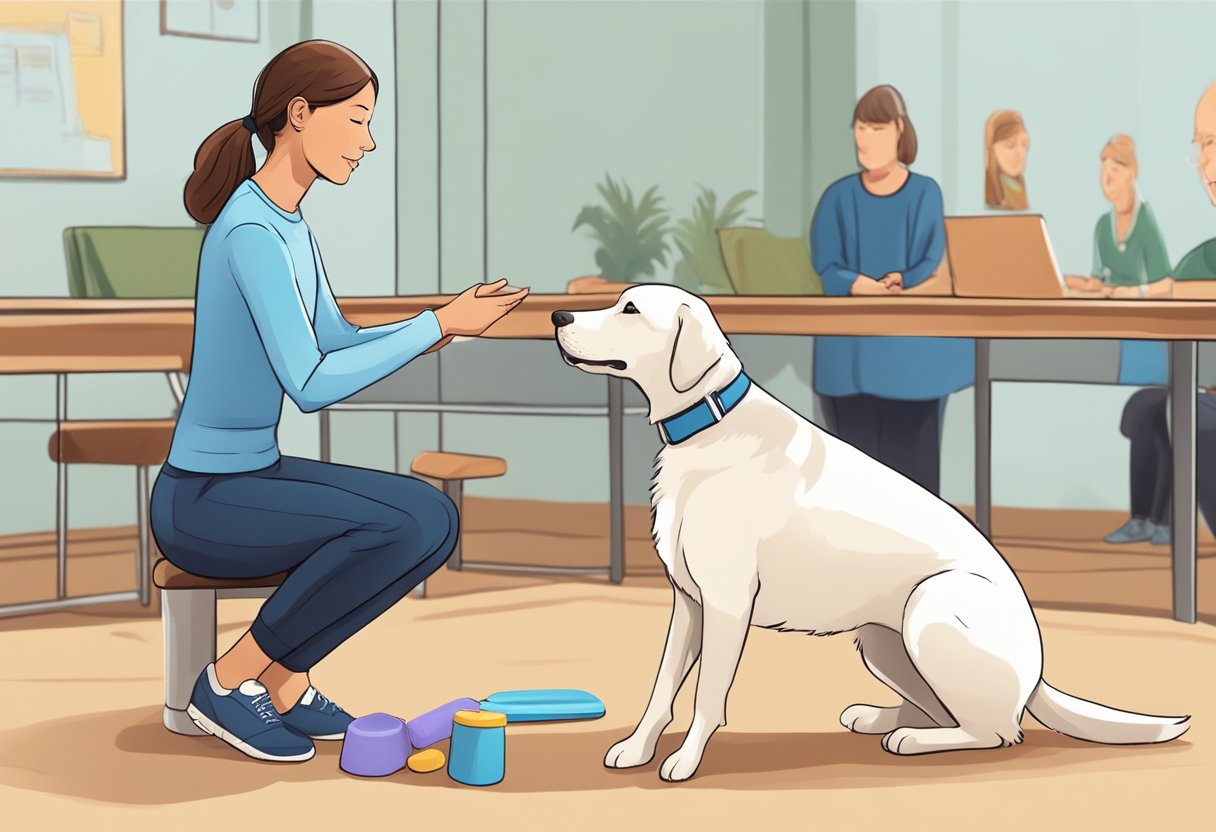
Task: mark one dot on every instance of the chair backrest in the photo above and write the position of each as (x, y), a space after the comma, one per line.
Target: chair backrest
(760, 263)
(132, 262)
(1198, 264)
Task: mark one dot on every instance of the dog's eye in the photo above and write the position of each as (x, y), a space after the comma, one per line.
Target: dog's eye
(630, 309)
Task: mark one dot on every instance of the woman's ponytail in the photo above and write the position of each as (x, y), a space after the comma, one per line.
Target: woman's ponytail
(224, 160)
(319, 71)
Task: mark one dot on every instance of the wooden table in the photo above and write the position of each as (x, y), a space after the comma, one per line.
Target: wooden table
(61, 336)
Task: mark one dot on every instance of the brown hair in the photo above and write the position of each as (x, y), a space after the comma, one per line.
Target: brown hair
(1001, 125)
(883, 105)
(1122, 149)
(319, 71)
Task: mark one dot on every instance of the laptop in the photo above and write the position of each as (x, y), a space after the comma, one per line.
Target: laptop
(1007, 256)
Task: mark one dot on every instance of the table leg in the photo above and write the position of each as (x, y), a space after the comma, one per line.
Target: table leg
(61, 489)
(324, 435)
(983, 436)
(616, 478)
(1184, 380)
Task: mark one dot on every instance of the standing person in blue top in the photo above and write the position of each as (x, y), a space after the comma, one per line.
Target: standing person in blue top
(227, 504)
(881, 232)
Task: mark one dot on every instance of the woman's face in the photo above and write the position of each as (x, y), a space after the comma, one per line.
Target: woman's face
(877, 144)
(336, 137)
(1011, 153)
(1117, 179)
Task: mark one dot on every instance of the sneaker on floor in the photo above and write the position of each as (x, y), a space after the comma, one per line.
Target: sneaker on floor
(1160, 535)
(317, 717)
(246, 719)
(1134, 530)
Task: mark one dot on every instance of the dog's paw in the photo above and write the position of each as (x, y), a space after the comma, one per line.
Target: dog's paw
(680, 765)
(629, 753)
(869, 719)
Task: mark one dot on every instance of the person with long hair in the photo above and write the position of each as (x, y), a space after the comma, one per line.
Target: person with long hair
(1006, 145)
(881, 232)
(227, 503)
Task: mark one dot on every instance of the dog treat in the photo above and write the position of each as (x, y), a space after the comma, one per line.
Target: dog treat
(436, 726)
(424, 762)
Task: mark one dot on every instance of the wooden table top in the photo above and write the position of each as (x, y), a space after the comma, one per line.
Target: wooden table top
(43, 335)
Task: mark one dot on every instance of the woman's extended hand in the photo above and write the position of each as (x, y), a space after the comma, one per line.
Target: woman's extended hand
(869, 286)
(475, 309)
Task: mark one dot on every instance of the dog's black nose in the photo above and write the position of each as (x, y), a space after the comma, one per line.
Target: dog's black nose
(561, 318)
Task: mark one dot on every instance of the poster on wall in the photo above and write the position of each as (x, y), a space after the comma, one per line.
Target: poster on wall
(213, 19)
(61, 84)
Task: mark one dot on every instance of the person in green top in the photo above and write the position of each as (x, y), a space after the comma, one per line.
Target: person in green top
(1130, 259)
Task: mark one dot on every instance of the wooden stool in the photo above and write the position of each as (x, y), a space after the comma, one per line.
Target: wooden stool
(448, 472)
(187, 612)
(142, 444)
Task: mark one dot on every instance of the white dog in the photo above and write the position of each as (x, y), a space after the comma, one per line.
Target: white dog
(763, 519)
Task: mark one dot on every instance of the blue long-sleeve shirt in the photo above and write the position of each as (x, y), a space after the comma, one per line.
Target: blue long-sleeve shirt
(855, 232)
(266, 323)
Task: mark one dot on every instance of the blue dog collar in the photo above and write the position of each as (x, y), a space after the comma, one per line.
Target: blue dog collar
(705, 413)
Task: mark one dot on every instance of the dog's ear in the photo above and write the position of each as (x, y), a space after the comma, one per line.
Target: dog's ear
(693, 352)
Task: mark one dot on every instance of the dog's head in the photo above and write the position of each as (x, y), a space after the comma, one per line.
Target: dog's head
(662, 338)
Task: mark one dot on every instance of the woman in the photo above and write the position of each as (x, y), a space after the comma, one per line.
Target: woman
(882, 232)
(1006, 144)
(227, 504)
(1130, 260)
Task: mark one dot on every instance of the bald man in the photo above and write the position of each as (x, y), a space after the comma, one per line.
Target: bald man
(1144, 415)
(1205, 140)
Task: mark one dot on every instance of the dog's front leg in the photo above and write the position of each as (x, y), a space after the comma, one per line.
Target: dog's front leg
(724, 631)
(679, 654)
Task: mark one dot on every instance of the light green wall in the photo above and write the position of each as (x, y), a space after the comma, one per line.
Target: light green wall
(706, 92)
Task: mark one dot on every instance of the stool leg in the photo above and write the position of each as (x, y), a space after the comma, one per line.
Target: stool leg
(455, 490)
(141, 515)
(189, 623)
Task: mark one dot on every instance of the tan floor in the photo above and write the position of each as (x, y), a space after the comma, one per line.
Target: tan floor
(80, 737)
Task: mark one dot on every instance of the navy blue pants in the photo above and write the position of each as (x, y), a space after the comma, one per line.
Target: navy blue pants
(354, 540)
(904, 435)
(1152, 462)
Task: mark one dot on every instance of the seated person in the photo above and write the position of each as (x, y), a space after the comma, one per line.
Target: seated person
(1199, 263)
(1152, 471)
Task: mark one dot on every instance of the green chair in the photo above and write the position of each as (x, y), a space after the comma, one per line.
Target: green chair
(115, 262)
(132, 262)
(760, 263)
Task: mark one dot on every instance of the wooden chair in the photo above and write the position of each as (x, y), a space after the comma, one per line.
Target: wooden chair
(127, 262)
(448, 471)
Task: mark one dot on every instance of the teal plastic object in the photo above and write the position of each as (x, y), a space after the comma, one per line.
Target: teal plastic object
(544, 705)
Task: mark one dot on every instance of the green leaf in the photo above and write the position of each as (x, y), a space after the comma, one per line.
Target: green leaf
(630, 233)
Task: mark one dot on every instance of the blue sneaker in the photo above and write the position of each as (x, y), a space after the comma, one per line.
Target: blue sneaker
(246, 719)
(317, 717)
(1160, 536)
(1134, 530)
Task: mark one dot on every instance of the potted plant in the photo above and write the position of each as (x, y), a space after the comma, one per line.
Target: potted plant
(701, 269)
(630, 236)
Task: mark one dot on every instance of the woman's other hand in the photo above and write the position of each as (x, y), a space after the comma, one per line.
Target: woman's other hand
(475, 309)
(869, 286)
(892, 280)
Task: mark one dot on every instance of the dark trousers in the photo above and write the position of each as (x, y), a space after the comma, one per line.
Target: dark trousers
(355, 542)
(901, 434)
(1151, 463)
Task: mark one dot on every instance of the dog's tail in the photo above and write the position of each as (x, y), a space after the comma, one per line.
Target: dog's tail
(1085, 720)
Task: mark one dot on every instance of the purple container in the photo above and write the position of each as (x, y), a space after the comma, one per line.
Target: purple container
(436, 726)
(375, 745)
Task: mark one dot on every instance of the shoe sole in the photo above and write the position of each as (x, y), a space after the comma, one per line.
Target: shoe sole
(208, 726)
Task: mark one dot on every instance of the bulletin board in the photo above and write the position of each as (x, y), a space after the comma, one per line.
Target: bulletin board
(61, 87)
